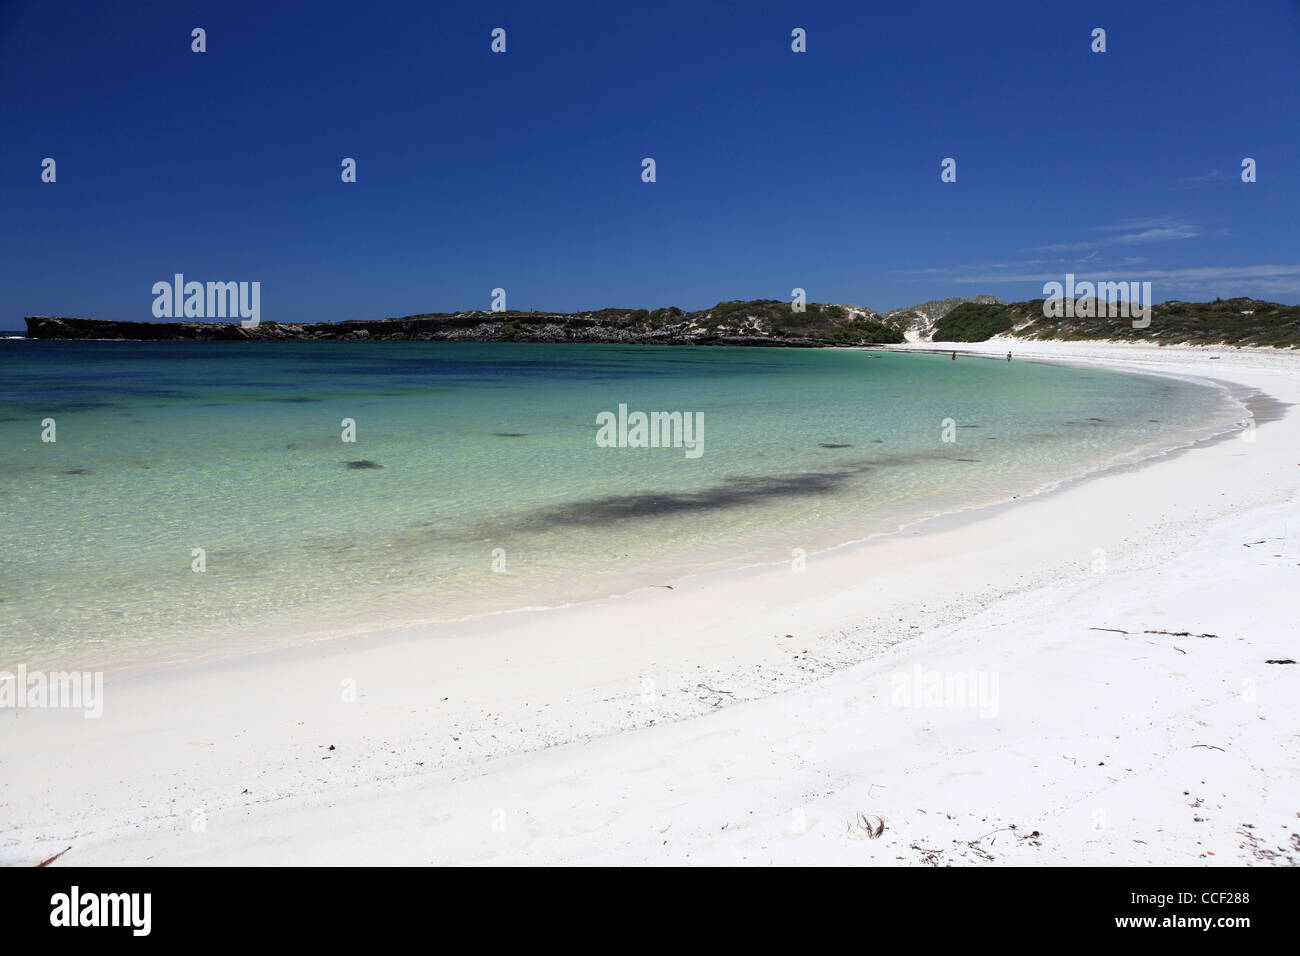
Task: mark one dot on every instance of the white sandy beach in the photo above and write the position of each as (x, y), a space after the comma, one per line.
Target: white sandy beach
(755, 716)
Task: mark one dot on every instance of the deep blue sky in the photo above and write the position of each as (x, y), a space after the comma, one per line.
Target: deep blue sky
(522, 170)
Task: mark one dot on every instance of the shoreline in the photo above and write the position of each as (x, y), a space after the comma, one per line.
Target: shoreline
(525, 696)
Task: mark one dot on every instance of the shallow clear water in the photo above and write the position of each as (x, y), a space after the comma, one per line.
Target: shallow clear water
(237, 449)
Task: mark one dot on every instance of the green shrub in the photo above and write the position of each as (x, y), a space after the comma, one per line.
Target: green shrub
(973, 322)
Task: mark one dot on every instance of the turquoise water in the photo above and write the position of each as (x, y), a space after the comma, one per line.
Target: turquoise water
(487, 454)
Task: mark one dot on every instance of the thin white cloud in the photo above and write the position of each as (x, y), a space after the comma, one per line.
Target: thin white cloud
(1204, 179)
(1199, 274)
(1164, 234)
(1144, 234)
(1135, 225)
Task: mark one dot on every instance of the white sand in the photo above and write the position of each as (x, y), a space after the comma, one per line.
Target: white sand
(552, 737)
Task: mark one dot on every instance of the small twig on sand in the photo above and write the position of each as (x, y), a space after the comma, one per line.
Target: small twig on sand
(1113, 630)
(712, 691)
(932, 857)
(1210, 747)
(53, 858)
(1180, 634)
(993, 833)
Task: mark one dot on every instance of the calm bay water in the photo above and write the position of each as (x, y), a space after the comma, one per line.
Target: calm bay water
(487, 455)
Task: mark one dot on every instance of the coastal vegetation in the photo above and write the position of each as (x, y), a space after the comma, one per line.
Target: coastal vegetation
(771, 322)
(1239, 321)
(752, 322)
(973, 322)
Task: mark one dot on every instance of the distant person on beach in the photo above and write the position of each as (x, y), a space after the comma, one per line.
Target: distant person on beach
(954, 356)
(1008, 356)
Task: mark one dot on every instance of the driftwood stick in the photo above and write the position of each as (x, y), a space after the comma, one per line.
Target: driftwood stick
(53, 858)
